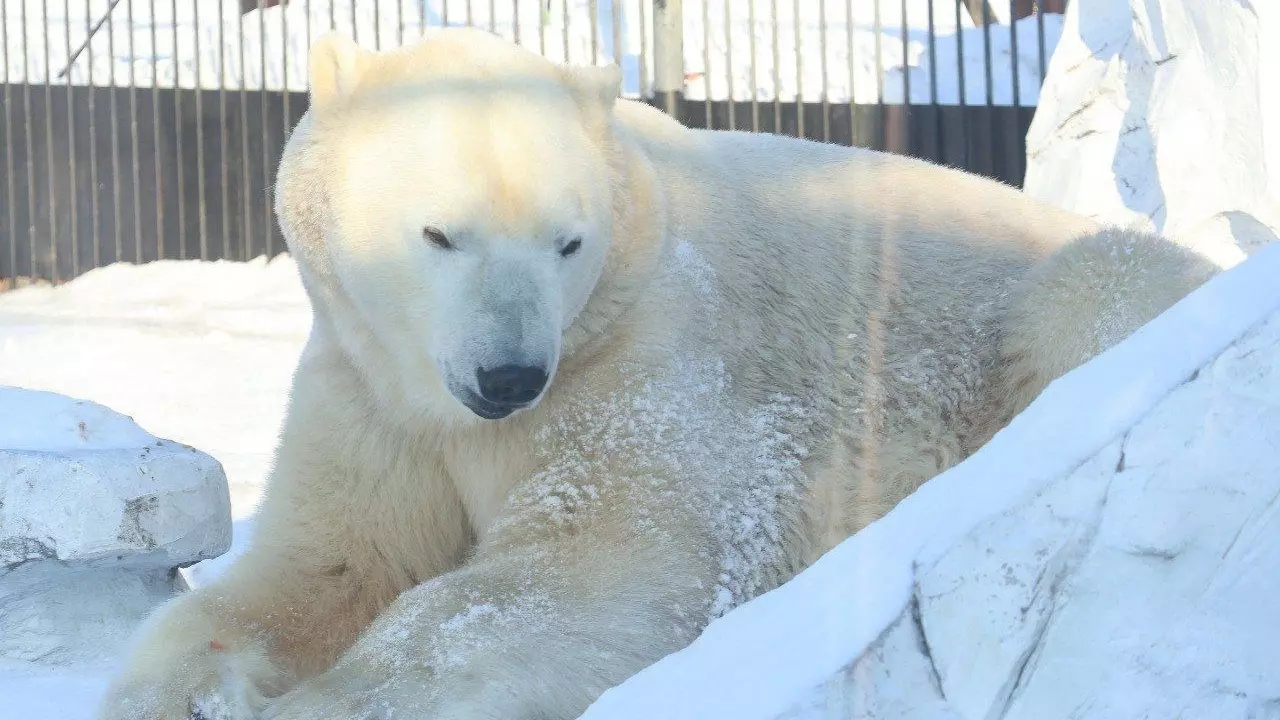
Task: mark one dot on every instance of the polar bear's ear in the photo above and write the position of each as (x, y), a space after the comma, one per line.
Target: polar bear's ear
(597, 86)
(336, 66)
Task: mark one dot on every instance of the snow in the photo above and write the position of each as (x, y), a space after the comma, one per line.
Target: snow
(209, 44)
(201, 352)
(1116, 136)
(53, 423)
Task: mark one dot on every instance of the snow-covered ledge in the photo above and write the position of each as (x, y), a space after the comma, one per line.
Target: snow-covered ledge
(1116, 549)
(96, 515)
(1165, 113)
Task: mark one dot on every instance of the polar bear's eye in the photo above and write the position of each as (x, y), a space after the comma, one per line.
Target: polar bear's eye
(571, 247)
(437, 238)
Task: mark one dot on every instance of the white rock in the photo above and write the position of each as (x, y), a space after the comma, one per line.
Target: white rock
(1173, 611)
(96, 515)
(1163, 113)
(986, 604)
(892, 680)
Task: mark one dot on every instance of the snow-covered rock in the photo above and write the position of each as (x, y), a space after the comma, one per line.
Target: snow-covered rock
(1165, 113)
(1113, 553)
(96, 515)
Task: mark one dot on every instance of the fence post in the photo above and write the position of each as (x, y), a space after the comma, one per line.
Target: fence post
(668, 51)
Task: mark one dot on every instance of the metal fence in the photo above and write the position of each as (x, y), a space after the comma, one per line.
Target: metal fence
(137, 130)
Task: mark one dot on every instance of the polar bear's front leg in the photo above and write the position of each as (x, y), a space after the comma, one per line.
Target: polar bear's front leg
(222, 651)
(532, 631)
(325, 560)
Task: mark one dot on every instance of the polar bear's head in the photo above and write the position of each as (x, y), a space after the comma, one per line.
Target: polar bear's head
(450, 208)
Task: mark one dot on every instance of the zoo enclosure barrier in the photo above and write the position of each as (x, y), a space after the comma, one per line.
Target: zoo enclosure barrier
(138, 130)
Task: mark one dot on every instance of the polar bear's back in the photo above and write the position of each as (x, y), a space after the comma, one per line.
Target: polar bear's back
(873, 283)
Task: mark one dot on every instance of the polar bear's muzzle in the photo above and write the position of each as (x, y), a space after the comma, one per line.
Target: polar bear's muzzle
(503, 344)
(505, 389)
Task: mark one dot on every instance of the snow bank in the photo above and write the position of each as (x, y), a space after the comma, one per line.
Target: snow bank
(95, 515)
(52, 423)
(1165, 113)
(201, 352)
(835, 50)
(1112, 548)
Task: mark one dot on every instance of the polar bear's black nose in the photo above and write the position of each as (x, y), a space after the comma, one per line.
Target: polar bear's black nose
(511, 384)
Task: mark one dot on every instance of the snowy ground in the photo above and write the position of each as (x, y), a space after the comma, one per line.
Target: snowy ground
(200, 353)
(209, 44)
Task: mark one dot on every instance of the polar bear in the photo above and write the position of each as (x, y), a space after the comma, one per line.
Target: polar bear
(581, 379)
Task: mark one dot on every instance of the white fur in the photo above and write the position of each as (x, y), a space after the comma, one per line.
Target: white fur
(762, 345)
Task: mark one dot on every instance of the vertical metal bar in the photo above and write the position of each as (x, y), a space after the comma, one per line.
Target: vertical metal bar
(1013, 53)
(564, 27)
(223, 141)
(933, 58)
(755, 66)
(444, 12)
(264, 128)
(879, 28)
(134, 159)
(155, 131)
(938, 126)
(246, 232)
(853, 96)
(986, 53)
(74, 205)
(377, 29)
(992, 127)
(493, 17)
(593, 7)
(181, 165)
(355, 31)
(471, 18)
(115, 140)
(777, 68)
(10, 195)
(28, 137)
(1040, 38)
(668, 52)
(964, 91)
(515, 21)
(284, 70)
(643, 79)
(822, 47)
(544, 18)
(333, 25)
(728, 63)
(399, 22)
(201, 205)
(706, 63)
(48, 149)
(1015, 145)
(615, 18)
(71, 145)
(799, 69)
(906, 84)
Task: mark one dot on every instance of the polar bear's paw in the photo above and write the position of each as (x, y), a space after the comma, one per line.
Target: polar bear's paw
(212, 685)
